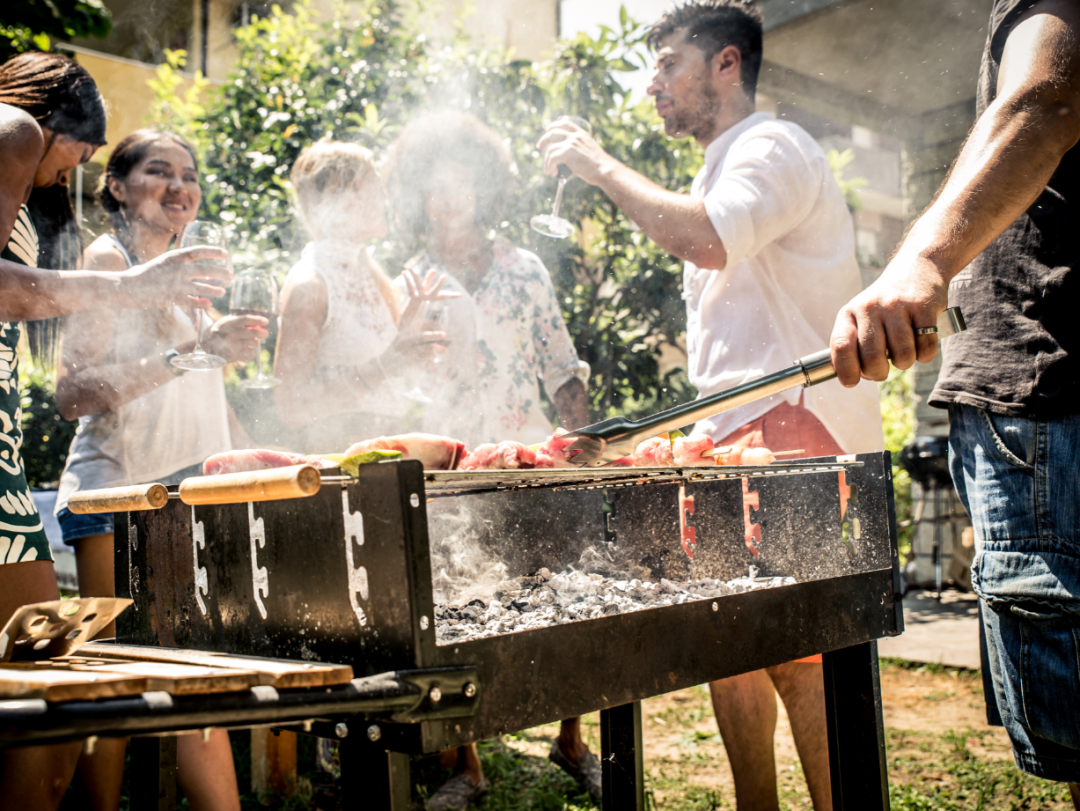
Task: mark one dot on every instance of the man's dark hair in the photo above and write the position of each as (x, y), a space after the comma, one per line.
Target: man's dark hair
(712, 25)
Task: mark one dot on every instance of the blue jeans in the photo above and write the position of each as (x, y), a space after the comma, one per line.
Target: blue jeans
(1020, 483)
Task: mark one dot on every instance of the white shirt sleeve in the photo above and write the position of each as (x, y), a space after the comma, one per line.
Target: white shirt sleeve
(767, 186)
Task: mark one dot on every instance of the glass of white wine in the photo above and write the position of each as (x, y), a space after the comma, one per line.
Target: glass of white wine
(208, 234)
(552, 225)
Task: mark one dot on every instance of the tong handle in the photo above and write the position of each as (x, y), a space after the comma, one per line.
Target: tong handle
(624, 435)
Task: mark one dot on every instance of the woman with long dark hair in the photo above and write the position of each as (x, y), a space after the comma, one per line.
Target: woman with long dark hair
(140, 420)
(52, 120)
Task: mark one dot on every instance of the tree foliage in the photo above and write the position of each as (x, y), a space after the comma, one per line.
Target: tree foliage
(28, 25)
(46, 435)
(297, 80)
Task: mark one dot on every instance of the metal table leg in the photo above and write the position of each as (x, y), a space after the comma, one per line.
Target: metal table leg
(860, 778)
(622, 770)
(153, 773)
(372, 780)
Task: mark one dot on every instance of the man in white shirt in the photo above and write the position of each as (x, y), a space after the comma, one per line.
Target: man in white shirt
(770, 259)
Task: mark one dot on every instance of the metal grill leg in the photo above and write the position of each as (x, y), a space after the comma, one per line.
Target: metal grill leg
(373, 780)
(622, 771)
(153, 773)
(860, 778)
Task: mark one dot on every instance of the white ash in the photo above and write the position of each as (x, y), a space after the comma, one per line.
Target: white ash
(543, 599)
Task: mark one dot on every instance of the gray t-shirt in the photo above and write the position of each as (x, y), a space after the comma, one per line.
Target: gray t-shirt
(1019, 356)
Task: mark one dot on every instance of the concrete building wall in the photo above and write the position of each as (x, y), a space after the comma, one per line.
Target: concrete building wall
(528, 27)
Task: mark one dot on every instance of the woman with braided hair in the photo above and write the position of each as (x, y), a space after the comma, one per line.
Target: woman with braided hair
(51, 120)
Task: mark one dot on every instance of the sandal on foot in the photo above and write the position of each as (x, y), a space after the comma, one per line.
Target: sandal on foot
(457, 792)
(586, 771)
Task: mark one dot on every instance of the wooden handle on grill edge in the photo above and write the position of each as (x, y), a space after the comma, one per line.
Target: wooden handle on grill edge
(298, 481)
(119, 499)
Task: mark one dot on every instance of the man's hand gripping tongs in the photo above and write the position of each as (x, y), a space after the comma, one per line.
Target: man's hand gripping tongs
(612, 439)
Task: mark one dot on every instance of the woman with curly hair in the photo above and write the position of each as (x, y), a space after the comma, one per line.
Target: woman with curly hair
(449, 178)
(51, 121)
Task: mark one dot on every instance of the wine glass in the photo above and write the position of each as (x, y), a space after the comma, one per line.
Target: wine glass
(254, 292)
(199, 233)
(552, 225)
(432, 319)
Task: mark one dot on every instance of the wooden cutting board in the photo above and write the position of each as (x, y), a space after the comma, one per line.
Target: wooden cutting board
(284, 674)
(26, 680)
(178, 680)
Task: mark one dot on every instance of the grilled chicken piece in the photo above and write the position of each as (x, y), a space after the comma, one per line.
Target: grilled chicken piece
(654, 452)
(553, 452)
(757, 456)
(693, 451)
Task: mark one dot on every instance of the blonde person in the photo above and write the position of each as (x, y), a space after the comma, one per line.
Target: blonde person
(141, 419)
(51, 120)
(449, 176)
(340, 351)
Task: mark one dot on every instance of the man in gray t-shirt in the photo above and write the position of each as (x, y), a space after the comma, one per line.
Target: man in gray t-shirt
(1002, 230)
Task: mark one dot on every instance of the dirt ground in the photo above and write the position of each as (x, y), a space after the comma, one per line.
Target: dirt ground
(938, 745)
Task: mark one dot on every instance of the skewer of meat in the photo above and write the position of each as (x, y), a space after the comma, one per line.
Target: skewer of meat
(505, 455)
(693, 451)
(552, 452)
(654, 452)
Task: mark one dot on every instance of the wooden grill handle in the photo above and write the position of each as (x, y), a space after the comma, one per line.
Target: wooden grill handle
(119, 499)
(298, 481)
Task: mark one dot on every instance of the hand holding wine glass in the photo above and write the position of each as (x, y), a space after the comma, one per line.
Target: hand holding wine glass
(255, 293)
(205, 234)
(421, 329)
(170, 279)
(552, 224)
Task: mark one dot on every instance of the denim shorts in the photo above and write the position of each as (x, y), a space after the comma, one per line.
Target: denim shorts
(73, 527)
(1020, 483)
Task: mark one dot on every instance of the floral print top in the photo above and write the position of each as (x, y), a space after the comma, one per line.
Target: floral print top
(502, 341)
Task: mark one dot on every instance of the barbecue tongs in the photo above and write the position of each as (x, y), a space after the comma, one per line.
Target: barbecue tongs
(612, 439)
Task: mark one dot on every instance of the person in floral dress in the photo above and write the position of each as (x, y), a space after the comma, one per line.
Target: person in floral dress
(448, 176)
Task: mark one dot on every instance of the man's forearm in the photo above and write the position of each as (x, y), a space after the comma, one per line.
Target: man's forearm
(30, 294)
(1002, 169)
(676, 222)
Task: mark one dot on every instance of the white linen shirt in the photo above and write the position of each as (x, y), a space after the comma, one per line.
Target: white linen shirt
(791, 266)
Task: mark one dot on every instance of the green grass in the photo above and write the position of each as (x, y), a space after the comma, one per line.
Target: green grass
(954, 770)
(941, 773)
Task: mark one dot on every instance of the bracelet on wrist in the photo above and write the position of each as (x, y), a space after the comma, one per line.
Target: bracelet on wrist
(169, 355)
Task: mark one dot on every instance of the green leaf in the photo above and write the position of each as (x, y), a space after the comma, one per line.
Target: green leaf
(351, 465)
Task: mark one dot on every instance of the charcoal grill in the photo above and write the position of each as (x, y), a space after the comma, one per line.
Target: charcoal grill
(345, 576)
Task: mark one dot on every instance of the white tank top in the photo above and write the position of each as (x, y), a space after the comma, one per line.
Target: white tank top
(164, 431)
(358, 326)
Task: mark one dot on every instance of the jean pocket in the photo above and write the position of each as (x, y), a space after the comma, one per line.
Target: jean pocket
(1050, 672)
(1020, 431)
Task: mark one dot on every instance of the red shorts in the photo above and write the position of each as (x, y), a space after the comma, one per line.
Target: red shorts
(786, 428)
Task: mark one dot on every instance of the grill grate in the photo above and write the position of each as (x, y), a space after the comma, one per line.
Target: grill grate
(456, 482)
